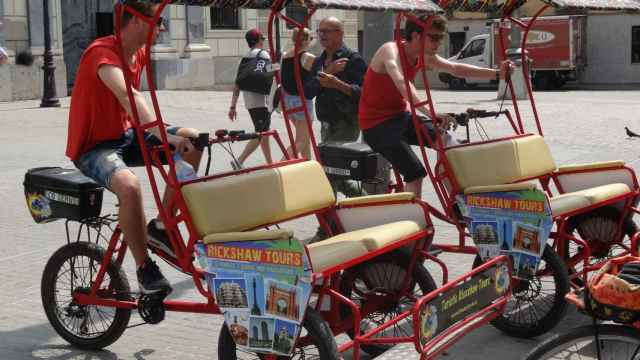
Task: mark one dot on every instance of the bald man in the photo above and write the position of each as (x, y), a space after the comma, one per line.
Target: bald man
(336, 81)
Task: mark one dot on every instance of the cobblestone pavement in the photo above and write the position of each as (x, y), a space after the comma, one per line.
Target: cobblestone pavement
(580, 126)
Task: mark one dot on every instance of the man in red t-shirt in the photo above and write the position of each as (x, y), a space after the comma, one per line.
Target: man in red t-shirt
(102, 142)
(384, 115)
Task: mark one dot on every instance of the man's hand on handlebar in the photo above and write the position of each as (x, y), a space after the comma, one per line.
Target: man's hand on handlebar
(181, 144)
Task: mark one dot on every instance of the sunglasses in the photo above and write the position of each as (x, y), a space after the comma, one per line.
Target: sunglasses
(436, 36)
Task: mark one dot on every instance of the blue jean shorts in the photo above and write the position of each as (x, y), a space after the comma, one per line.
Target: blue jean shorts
(293, 101)
(101, 162)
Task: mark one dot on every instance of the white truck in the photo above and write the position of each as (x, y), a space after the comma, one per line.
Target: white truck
(555, 46)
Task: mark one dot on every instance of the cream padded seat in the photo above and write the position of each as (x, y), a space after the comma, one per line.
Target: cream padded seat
(479, 167)
(500, 162)
(341, 248)
(245, 201)
(562, 204)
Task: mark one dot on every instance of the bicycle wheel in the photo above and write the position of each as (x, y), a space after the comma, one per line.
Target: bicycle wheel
(72, 269)
(379, 281)
(536, 305)
(314, 328)
(597, 228)
(616, 342)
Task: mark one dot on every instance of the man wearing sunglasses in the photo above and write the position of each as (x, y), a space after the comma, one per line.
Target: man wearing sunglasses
(335, 80)
(384, 115)
(102, 142)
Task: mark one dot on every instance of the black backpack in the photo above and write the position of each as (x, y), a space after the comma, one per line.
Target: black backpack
(253, 75)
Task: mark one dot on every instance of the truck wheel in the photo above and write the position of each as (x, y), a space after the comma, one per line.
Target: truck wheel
(444, 77)
(545, 81)
(560, 81)
(457, 83)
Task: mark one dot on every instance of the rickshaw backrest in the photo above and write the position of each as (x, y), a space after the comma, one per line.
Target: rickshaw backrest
(248, 200)
(500, 162)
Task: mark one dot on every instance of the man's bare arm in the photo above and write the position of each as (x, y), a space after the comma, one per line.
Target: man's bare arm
(465, 71)
(113, 78)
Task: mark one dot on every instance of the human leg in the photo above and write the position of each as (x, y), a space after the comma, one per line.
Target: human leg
(126, 185)
(389, 138)
(261, 118)
(303, 139)
(261, 121)
(105, 165)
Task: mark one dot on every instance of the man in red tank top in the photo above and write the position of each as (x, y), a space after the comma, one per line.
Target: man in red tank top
(384, 113)
(102, 142)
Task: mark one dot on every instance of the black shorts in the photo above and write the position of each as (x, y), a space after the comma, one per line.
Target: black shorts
(391, 138)
(261, 118)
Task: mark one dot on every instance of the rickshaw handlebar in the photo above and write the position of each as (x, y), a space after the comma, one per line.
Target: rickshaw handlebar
(463, 118)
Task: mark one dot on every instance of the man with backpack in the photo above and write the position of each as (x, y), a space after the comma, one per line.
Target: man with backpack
(254, 80)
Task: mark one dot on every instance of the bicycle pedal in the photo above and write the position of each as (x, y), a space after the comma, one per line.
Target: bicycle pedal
(151, 308)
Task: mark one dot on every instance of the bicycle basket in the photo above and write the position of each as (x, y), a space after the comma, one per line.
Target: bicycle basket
(614, 292)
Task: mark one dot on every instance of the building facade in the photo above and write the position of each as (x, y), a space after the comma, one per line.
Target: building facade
(612, 51)
(202, 46)
(200, 49)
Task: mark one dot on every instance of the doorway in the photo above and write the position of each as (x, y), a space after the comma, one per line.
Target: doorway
(82, 22)
(456, 42)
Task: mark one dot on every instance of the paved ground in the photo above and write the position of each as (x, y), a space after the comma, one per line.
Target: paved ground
(580, 126)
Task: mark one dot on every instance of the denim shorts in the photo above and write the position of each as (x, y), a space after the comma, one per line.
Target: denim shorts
(101, 162)
(293, 101)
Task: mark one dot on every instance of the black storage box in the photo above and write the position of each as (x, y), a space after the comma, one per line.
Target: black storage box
(349, 160)
(55, 193)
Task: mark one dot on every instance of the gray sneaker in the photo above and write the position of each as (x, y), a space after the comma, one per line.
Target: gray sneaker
(151, 280)
(159, 239)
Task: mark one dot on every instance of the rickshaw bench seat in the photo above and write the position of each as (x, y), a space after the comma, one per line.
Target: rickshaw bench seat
(341, 248)
(478, 167)
(565, 203)
(500, 162)
(254, 199)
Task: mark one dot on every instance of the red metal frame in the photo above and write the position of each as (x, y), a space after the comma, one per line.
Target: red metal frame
(331, 279)
(441, 170)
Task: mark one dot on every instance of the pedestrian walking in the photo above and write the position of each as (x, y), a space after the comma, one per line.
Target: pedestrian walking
(254, 63)
(290, 91)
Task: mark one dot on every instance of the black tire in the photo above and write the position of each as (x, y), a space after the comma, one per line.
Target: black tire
(544, 81)
(79, 262)
(384, 274)
(617, 342)
(597, 228)
(457, 83)
(317, 329)
(533, 309)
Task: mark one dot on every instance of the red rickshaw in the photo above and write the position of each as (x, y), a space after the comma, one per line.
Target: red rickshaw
(280, 297)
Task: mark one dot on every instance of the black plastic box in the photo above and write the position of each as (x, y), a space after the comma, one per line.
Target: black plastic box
(349, 160)
(55, 193)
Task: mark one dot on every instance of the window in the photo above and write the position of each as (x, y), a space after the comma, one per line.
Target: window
(224, 18)
(297, 13)
(635, 44)
(475, 48)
